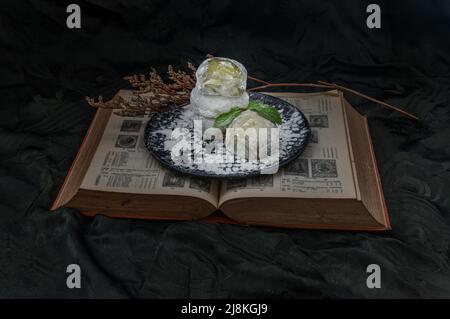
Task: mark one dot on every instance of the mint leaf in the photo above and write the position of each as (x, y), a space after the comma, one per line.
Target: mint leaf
(225, 119)
(266, 111)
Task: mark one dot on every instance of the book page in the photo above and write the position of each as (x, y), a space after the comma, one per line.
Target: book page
(122, 163)
(323, 170)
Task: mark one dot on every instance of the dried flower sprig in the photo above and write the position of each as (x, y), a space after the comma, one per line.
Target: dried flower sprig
(114, 103)
(151, 94)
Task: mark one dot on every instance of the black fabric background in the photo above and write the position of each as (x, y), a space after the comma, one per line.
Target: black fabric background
(47, 70)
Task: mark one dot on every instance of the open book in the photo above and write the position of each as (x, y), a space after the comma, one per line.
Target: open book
(334, 184)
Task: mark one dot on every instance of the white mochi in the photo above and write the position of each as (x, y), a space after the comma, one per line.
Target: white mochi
(249, 119)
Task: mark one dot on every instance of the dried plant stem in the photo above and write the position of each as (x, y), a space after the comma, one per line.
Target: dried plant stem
(153, 94)
(343, 88)
(289, 84)
(257, 80)
(326, 85)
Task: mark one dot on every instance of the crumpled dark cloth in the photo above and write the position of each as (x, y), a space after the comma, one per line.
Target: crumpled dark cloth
(47, 70)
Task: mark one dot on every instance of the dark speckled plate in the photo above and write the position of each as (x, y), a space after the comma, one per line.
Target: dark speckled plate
(294, 136)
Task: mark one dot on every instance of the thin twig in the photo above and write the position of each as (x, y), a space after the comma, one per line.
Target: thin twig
(326, 85)
(343, 88)
(289, 84)
(257, 80)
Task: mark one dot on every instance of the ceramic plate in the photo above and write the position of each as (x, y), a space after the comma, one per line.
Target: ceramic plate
(294, 135)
